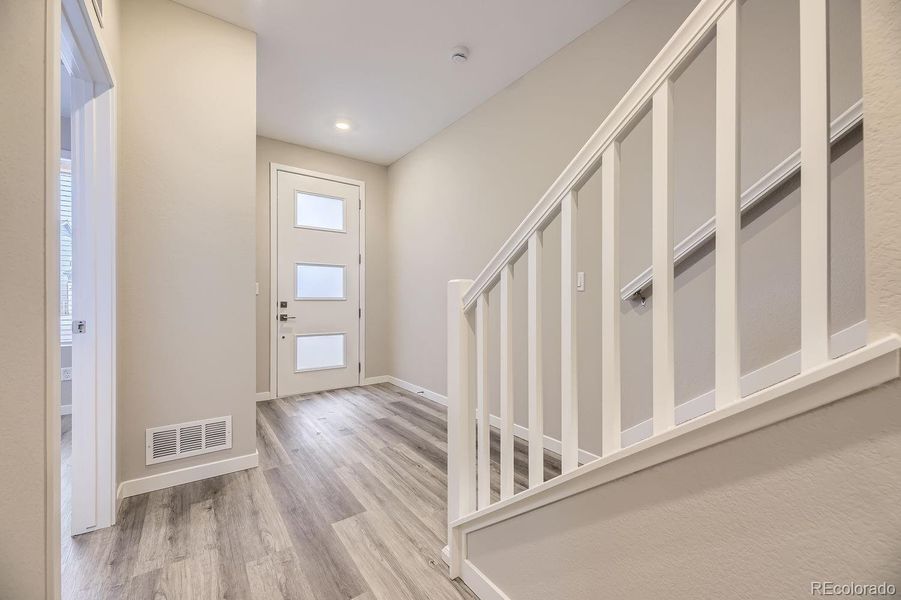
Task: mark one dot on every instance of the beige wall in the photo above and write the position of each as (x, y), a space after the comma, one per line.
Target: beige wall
(457, 197)
(882, 89)
(376, 180)
(187, 107)
(26, 494)
(761, 516)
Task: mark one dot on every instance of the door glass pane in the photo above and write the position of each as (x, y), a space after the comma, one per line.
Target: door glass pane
(318, 212)
(319, 282)
(320, 352)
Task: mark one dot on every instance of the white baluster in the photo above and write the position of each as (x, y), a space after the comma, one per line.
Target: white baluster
(536, 404)
(461, 466)
(506, 369)
(611, 398)
(728, 216)
(484, 424)
(569, 388)
(815, 164)
(664, 409)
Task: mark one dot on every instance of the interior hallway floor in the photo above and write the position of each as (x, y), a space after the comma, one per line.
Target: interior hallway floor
(349, 502)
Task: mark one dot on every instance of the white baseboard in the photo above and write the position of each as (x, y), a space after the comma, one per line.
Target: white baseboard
(410, 387)
(65, 409)
(481, 586)
(550, 443)
(842, 342)
(263, 396)
(160, 481)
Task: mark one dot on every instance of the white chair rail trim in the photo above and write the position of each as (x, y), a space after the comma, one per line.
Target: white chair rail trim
(872, 365)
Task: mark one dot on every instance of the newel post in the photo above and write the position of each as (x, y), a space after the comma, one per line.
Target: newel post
(461, 475)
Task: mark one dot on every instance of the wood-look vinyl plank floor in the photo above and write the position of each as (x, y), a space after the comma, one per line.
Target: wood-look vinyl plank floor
(348, 503)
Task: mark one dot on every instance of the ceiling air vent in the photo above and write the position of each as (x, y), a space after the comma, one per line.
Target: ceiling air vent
(188, 439)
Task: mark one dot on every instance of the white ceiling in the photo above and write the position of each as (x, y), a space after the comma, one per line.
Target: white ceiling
(385, 64)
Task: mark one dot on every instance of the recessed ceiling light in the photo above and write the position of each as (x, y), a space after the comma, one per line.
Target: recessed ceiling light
(342, 125)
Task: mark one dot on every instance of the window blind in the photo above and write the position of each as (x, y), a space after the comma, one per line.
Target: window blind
(65, 252)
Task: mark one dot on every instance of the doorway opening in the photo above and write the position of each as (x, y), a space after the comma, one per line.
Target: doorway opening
(86, 271)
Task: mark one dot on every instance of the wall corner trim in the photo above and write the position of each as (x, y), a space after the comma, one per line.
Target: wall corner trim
(483, 587)
(159, 481)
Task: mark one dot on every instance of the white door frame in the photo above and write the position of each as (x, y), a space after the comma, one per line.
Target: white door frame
(94, 174)
(274, 169)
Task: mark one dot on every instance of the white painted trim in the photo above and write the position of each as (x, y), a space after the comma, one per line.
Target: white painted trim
(611, 348)
(483, 416)
(481, 586)
(274, 168)
(461, 467)
(850, 374)
(727, 211)
(663, 371)
(160, 481)
(520, 431)
(844, 341)
(550, 443)
(94, 428)
(757, 191)
(263, 396)
(816, 164)
(569, 338)
(682, 46)
(535, 361)
(410, 387)
(52, 459)
(506, 388)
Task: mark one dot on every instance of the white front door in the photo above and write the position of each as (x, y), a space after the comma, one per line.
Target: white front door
(318, 271)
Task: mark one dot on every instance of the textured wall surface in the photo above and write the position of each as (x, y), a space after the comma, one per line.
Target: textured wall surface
(26, 494)
(882, 88)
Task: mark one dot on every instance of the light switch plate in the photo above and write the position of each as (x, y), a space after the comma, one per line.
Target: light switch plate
(580, 281)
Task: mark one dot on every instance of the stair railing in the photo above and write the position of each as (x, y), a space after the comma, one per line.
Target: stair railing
(468, 417)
